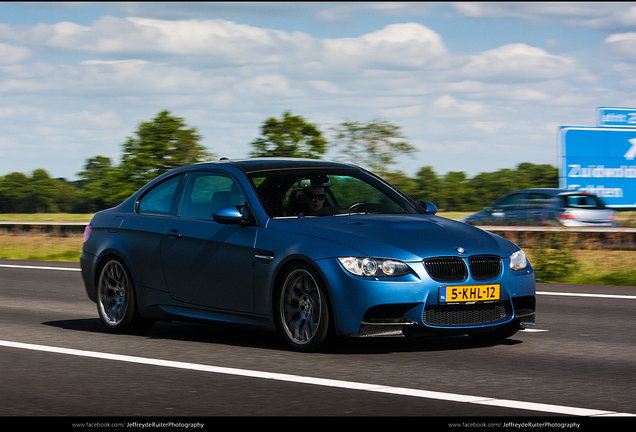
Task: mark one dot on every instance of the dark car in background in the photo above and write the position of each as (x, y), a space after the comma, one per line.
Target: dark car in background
(546, 207)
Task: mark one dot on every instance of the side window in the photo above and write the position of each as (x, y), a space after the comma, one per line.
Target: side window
(513, 202)
(584, 201)
(206, 192)
(538, 201)
(162, 199)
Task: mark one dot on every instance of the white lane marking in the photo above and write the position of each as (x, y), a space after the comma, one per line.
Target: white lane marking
(426, 394)
(614, 296)
(39, 267)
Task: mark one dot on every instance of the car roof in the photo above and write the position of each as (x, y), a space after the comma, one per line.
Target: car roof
(267, 163)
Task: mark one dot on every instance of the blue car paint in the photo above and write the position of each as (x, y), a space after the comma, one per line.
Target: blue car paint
(422, 235)
(269, 245)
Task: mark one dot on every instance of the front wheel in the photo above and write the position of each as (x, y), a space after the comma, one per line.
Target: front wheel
(116, 300)
(303, 312)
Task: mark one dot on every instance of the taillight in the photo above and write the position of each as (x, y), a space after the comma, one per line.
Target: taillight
(566, 216)
(87, 232)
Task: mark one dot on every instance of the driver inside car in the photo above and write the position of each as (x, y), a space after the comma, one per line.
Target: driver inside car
(311, 200)
(312, 194)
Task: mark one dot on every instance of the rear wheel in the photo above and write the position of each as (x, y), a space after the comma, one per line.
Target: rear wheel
(116, 301)
(303, 312)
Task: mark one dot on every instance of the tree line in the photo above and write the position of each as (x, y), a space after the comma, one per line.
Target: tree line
(167, 142)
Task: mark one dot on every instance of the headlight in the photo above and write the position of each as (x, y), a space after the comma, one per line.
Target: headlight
(518, 260)
(374, 266)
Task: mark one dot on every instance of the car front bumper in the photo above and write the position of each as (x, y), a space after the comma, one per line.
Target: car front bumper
(409, 305)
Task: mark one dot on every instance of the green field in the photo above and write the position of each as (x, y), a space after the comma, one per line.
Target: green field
(45, 217)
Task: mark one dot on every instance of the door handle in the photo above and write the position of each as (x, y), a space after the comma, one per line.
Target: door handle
(172, 233)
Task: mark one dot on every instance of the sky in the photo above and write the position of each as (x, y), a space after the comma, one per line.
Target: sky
(474, 87)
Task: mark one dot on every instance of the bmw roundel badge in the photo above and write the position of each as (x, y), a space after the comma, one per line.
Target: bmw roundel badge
(460, 250)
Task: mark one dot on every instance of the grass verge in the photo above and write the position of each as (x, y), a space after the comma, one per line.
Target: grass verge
(583, 266)
(590, 267)
(45, 217)
(40, 247)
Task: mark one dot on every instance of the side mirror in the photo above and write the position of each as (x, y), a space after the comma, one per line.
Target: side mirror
(428, 207)
(230, 215)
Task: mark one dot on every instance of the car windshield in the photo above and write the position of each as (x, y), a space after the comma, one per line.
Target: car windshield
(326, 192)
(584, 202)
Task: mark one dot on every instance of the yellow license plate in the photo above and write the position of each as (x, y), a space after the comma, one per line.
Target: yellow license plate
(469, 293)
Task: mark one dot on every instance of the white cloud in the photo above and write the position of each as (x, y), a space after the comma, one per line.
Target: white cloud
(233, 42)
(111, 78)
(87, 120)
(447, 106)
(270, 85)
(10, 54)
(395, 46)
(626, 72)
(621, 15)
(7, 144)
(402, 112)
(624, 37)
(489, 127)
(621, 46)
(22, 111)
(576, 13)
(326, 87)
(518, 62)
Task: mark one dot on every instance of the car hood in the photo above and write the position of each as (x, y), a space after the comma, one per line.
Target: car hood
(404, 237)
(482, 214)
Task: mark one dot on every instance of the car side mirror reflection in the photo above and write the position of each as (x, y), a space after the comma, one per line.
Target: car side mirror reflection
(231, 215)
(428, 207)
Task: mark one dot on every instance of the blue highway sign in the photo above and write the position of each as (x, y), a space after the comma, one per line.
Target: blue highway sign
(616, 117)
(600, 160)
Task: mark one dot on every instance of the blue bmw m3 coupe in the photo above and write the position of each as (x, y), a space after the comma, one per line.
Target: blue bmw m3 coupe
(308, 248)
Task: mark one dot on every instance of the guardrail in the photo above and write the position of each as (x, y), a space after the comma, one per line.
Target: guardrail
(584, 238)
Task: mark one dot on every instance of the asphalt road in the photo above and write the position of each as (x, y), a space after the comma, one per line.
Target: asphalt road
(57, 360)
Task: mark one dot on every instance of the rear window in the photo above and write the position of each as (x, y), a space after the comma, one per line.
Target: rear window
(583, 201)
(162, 199)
